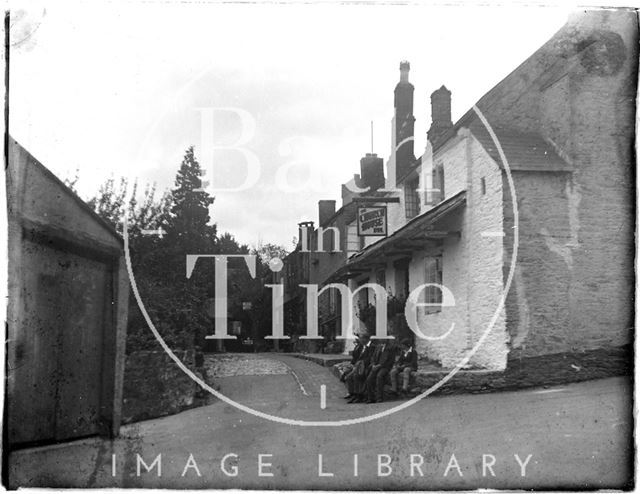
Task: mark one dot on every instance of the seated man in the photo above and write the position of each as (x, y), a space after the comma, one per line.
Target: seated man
(347, 368)
(356, 378)
(406, 365)
(381, 364)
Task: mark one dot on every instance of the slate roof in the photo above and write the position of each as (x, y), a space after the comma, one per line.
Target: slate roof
(524, 151)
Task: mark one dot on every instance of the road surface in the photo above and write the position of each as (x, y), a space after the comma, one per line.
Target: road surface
(573, 436)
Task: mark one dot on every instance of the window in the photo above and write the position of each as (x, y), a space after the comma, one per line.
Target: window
(435, 191)
(438, 181)
(433, 274)
(483, 186)
(411, 198)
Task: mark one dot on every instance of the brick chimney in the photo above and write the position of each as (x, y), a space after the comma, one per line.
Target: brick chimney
(440, 114)
(308, 225)
(404, 122)
(372, 172)
(326, 209)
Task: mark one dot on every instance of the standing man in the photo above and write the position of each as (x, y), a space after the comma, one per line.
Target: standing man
(381, 364)
(406, 365)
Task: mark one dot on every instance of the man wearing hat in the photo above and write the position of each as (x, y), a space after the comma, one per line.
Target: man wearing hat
(361, 366)
(406, 363)
(381, 363)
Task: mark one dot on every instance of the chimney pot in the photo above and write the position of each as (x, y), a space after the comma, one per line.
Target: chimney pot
(404, 71)
(308, 225)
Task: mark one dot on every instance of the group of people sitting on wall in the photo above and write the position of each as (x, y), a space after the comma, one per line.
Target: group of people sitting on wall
(372, 363)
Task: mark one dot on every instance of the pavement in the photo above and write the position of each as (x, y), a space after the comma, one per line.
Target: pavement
(324, 359)
(577, 436)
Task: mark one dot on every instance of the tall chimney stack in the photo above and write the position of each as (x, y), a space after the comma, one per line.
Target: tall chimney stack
(440, 114)
(326, 209)
(404, 122)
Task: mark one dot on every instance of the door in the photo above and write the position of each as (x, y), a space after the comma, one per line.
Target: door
(56, 364)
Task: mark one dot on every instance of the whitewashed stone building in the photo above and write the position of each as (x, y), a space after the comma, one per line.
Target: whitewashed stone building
(561, 155)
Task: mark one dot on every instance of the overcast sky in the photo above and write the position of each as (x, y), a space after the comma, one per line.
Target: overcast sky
(119, 89)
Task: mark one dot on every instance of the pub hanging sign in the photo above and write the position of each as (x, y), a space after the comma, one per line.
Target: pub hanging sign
(372, 221)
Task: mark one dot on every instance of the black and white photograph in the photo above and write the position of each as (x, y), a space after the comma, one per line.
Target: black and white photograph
(319, 246)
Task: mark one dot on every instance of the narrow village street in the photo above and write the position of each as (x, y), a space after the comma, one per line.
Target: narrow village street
(578, 431)
(198, 238)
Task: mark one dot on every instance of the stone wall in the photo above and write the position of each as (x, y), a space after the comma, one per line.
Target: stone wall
(472, 263)
(538, 302)
(154, 386)
(487, 324)
(541, 371)
(531, 372)
(447, 330)
(573, 288)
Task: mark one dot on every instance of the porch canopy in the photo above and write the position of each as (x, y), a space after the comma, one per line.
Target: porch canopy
(403, 242)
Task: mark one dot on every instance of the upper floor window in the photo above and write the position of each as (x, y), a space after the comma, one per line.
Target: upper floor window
(411, 198)
(436, 195)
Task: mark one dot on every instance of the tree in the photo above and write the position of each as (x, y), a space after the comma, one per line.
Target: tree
(144, 213)
(266, 252)
(227, 244)
(189, 218)
(176, 304)
(111, 204)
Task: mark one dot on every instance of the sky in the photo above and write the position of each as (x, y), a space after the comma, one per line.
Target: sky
(122, 89)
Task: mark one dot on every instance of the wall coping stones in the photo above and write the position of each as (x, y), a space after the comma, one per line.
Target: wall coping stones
(539, 371)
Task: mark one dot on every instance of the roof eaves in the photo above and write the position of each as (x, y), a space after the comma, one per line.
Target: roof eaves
(433, 214)
(65, 188)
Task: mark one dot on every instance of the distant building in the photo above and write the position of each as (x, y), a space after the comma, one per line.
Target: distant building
(565, 121)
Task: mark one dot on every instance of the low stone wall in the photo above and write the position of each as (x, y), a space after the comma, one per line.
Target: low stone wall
(155, 386)
(546, 370)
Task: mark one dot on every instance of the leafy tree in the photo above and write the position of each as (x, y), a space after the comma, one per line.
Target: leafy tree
(148, 213)
(227, 244)
(266, 252)
(177, 304)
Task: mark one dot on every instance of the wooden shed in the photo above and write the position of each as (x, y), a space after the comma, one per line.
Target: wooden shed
(67, 311)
